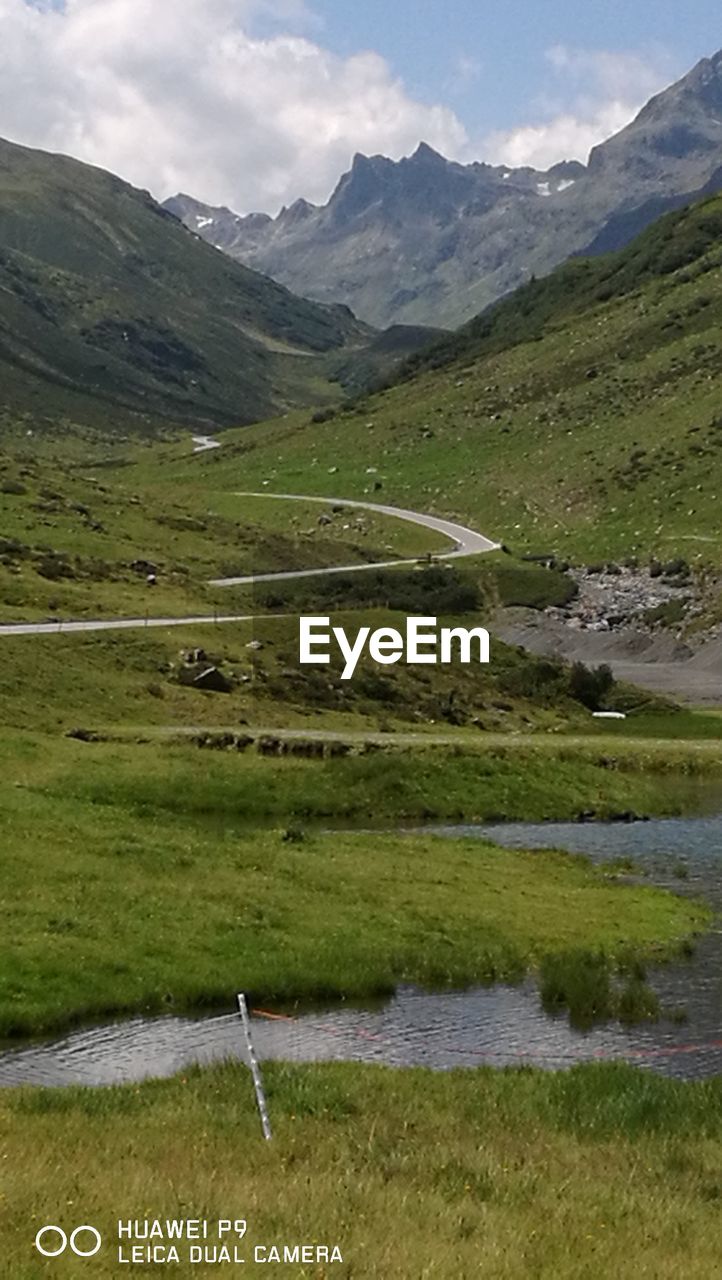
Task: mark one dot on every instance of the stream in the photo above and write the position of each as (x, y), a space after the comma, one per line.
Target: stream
(498, 1025)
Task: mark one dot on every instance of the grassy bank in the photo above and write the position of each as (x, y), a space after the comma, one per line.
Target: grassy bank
(132, 880)
(136, 678)
(361, 776)
(601, 1171)
(487, 779)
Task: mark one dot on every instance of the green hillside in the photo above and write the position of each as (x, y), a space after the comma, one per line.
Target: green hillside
(581, 416)
(109, 308)
(678, 240)
(380, 361)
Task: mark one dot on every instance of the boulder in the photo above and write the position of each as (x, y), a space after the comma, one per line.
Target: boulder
(213, 680)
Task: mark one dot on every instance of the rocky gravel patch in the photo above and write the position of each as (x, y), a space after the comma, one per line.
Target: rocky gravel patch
(616, 597)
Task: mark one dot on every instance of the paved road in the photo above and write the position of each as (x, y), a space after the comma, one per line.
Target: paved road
(114, 624)
(465, 543)
(204, 443)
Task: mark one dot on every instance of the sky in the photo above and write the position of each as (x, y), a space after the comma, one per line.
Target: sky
(253, 103)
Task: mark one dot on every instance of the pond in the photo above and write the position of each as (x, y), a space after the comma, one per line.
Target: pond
(499, 1025)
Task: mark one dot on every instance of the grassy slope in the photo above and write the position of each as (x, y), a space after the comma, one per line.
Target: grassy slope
(94, 516)
(108, 304)
(72, 527)
(134, 678)
(600, 1171)
(582, 416)
(380, 361)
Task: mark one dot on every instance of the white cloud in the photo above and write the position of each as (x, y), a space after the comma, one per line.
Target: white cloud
(467, 70)
(189, 96)
(591, 95)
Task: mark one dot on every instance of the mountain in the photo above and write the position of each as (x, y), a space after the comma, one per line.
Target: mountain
(429, 241)
(399, 242)
(580, 416)
(109, 306)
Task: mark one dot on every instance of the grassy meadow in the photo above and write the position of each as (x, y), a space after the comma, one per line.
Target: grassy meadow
(72, 531)
(600, 1171)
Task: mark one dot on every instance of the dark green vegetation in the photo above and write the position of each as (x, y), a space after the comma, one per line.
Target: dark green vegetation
(429, 241)
(601, 1170)
(378, 362)
(110, 309)
(581, 417)
(531, 588)
(431, 590)
(202, 905)
(476, 586)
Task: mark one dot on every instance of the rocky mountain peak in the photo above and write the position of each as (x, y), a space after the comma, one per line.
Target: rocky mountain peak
(700, 90)
(424, 154)
(426, 240)
(296, 212)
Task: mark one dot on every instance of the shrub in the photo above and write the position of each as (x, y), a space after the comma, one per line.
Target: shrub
(590, 687)
(54, 568)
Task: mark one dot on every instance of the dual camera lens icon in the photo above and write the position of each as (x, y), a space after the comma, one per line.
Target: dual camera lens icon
(53, 1241)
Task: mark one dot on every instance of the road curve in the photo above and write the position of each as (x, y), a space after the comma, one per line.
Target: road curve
(465, 543)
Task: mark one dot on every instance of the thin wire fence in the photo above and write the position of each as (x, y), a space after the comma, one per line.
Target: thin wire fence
(529, 1055)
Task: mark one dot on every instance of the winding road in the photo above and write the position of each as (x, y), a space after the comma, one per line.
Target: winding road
(696, 682)
(465, 542)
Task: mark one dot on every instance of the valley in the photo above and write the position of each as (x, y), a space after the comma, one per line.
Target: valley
(510, 867)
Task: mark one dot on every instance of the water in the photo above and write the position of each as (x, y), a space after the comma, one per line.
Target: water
(500, 1025)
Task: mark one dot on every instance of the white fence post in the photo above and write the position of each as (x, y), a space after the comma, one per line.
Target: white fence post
(255, 1069)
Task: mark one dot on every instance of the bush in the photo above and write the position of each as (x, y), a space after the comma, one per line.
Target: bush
(541, 679)
(590, 687)
(533, 588)
(54, 568)
(433, 591)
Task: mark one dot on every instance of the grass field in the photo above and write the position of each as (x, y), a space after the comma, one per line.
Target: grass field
(601, 1171)
(134, 678)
